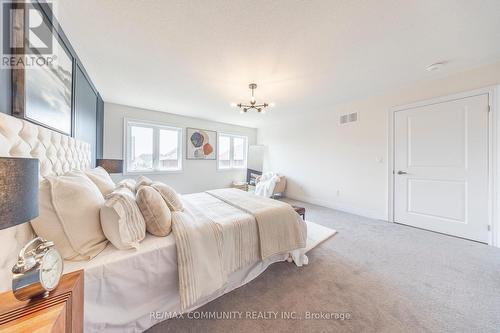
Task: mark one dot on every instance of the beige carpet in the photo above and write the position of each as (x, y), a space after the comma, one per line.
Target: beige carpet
(387, 277)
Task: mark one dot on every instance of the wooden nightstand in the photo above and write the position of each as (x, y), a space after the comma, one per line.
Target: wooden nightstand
(240, 186)
(61, 311)
(301, 211)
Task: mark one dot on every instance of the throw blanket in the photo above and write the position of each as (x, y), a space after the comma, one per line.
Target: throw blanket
(199, 255)
(280, 228)
(267, 183)
(239, 230)
(222, 231)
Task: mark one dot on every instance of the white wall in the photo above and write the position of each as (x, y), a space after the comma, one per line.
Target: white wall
(256, 157)
(197, 175)
(345, 167)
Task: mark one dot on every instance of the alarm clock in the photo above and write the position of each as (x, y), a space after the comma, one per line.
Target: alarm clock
(38, 270)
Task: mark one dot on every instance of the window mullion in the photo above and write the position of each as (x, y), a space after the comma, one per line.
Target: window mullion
(156, 148)
(179, 149)
(128, 149)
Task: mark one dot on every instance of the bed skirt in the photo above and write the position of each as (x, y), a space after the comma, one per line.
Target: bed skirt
(131, 291)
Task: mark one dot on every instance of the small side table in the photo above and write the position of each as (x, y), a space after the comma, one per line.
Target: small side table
(240, 185)
(301, 211)
(60, 312)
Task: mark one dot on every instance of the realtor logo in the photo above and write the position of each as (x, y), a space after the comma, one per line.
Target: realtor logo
(27, 37)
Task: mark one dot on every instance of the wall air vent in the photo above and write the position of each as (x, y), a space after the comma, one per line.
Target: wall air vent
(348, 118)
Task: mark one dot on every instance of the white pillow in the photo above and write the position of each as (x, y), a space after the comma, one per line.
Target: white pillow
(170, 196)
(69, 216)
(122, 221)
(127, 183)
(102, 179)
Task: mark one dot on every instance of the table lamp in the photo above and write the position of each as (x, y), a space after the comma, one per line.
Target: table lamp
(39, 265)
(18, 191)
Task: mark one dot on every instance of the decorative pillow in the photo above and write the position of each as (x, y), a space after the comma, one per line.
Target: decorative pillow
(127, 183)
(143, 181)
(155, 211)
(69, 216)
(101, 178)
(122, 221)
(169, 195)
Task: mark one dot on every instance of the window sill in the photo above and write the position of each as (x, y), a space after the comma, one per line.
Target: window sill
(231, 169)
(154, 172)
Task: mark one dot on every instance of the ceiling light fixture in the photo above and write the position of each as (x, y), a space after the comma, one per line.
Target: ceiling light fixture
(260, 108)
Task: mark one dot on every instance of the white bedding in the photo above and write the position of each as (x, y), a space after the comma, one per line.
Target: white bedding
(124, 288)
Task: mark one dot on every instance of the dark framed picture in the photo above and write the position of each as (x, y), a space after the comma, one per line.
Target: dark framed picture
(252, 176)
(42, 93)
(201, 144)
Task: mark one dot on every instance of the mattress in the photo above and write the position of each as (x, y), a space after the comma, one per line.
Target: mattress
(125, 289)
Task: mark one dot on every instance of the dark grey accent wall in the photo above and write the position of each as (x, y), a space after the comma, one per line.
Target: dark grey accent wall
(5, 97)
(100, 128)
(85, 112)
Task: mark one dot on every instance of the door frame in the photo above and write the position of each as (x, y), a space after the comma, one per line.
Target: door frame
(493, 153)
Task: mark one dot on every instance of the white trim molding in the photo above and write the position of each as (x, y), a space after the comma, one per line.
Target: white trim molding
(494, 153)
(156, 127)
(495, 164)
(231, 151)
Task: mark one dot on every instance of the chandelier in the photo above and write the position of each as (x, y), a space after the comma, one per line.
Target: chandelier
(244, 108)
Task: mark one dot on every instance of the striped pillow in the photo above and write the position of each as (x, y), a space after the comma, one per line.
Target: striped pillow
(121, 220)
(169, 195)
(127, 183)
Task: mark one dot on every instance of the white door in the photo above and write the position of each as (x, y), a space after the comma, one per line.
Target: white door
(441, 167)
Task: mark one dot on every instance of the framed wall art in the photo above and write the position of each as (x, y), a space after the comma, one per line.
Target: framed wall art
(201, 144)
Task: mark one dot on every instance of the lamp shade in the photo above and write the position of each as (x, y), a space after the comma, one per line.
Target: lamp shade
(111, 166)
(18, 190)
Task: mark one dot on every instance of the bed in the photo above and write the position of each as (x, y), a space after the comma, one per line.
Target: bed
(132, 290)
(122, 296)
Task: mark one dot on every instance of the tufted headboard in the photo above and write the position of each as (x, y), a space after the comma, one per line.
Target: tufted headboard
(57, 154)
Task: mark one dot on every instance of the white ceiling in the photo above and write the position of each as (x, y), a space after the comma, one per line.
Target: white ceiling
(195, 57)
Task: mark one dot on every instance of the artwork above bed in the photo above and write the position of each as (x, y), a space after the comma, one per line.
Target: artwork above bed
(49, 84)
(200, 144)
(43, 94)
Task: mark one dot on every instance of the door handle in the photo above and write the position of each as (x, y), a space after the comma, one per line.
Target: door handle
(402, 172)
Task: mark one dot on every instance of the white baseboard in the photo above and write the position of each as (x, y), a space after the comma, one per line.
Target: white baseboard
(341, 207)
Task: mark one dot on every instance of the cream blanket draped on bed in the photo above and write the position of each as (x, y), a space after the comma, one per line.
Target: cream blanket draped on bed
(199, 255)
(280, 228)
(224, 230)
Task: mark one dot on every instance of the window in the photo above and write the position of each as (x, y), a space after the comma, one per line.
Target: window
(152, 147)
(232, 151)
